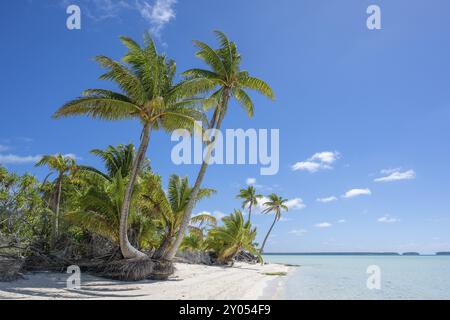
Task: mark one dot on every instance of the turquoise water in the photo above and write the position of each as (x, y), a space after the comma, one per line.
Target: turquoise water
(345, 277)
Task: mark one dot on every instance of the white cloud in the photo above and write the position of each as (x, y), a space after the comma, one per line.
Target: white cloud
(387, 219)
(298, 232)
(325, 157)
(323, 225)
(4, 148)
(218, 214)
(15, 159)
(342, 221)
(389, 171)
(306, 166)
(250, 181)
(295, 204)
(327, 199)
(396, 175)
(260, 205)
(319, 161)
(357, 192)
(158, 14)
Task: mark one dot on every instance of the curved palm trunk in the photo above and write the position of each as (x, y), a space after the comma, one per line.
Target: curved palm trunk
(195, 190)
(267, 235)
(128, 251)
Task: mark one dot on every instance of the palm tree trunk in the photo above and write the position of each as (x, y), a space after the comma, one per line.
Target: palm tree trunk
(161, 251)
(58, 205)
(195, 190)
(128, 251)
(250, 212)
(267, 235)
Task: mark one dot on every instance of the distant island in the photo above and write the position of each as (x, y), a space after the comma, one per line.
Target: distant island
(333, 253)
(445, 253)
(410, 254)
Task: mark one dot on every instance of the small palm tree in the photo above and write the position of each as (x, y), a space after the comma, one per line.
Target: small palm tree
(229, 81)
(275, 204)
(149, 95)
(115, 159)
(232, 237)
(249, 199)
(99, 212)
(171, 206)
(62, 165)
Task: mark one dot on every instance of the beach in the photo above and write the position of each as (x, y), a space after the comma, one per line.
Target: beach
(189, 282)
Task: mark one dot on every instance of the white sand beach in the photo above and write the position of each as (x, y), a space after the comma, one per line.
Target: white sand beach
(242, 281)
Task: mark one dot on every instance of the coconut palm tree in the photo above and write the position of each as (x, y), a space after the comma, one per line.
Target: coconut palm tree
(115, 159)
(61, 165)
(234, 236)
(149, 95)
(249, 199)
(171, 207)
(99, 212)
(275, 204)
(229, 81)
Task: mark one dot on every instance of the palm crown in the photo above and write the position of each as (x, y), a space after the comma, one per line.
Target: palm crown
(148, 92)
(225, 75)
(249, 199)
(275, 204)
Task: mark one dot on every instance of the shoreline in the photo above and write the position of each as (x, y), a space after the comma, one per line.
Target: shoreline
(189, 282)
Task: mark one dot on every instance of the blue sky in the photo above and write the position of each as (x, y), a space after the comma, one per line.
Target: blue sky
(353, 106)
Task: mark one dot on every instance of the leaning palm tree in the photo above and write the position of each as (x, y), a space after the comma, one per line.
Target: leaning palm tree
(232, 237)
(249, 199)
(229, 81)
(171, 207)
(275, 204)
(149, 95)
(61, 165)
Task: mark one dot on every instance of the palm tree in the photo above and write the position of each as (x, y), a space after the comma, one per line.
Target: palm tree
(171, 207)
(115, 159)
(99, 212)
(250, 199)
(61, 165)
(275, 204)
(228, 81)
(234, 236)
(149, 95)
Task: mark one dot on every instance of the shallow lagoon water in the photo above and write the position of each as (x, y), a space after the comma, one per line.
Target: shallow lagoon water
(345, 277)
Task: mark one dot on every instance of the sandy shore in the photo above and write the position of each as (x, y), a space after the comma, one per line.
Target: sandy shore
(243, 281)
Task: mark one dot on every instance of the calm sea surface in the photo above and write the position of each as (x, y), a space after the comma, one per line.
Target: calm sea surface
(345, 277)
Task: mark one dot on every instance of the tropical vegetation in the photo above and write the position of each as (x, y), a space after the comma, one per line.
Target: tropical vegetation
(123, 205)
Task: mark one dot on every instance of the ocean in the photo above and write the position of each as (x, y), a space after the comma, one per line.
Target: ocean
(346, 277)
